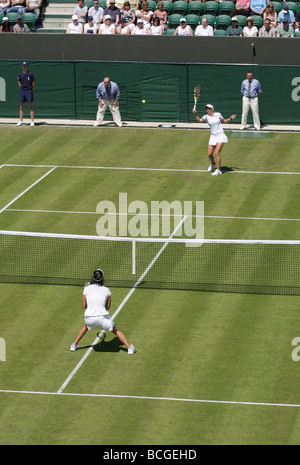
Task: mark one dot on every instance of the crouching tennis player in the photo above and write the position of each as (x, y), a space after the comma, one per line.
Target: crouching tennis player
(217, 138)
(96, 299)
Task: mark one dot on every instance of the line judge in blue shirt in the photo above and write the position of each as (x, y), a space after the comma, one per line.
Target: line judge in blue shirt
(250, 89)
(108, 94)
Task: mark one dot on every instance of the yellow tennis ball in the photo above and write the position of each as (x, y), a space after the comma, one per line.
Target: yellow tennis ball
(143, 101)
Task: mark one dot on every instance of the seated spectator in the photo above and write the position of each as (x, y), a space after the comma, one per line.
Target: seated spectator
(162, 14)
(128, 14)
(285, 29)
(113, 12)
(183, 29)
(4, 5)
(20, 26)
(140, 28)
(81, 11)
(250, 30)
(267, 30)
(286, 13)
(242, 7)
(96, 12)
(33, 6)
(257, 7)
(75, 27)
(107, 27)
(297, 21)
(17, 6)
(270, 12)
(5, 26)
(234, 30)
(204, 29)
(156, 29)
(145, 14)
(90, 27)
(123, 27)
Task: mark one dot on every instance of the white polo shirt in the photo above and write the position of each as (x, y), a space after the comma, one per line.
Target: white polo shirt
(96, 297)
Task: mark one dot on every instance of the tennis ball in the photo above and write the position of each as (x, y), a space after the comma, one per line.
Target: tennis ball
(143, 101)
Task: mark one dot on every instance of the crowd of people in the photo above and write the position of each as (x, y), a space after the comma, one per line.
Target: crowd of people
(119, 17)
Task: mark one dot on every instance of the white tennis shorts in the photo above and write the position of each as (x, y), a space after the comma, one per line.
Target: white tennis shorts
(214, 139)
(99, 322)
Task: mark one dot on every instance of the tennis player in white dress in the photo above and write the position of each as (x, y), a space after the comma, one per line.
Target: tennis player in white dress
(217, 138)
(96, 299)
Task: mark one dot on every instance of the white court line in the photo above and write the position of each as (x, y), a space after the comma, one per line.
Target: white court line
(173, 399)
(81, 361)
(26, 190)
(150, 169)
(26, 210)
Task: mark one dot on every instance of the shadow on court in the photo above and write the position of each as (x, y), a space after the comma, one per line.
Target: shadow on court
(114, 345)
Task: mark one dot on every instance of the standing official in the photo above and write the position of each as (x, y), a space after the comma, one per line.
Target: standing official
(26, 83)
(250, 89)
(108, 94)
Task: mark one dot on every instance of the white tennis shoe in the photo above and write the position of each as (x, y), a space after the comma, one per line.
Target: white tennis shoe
(131, 350)
(217, 173)
(211, 166)
(19, 123)
(74, 347)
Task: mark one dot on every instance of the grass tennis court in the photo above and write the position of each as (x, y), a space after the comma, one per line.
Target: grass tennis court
(211, 368)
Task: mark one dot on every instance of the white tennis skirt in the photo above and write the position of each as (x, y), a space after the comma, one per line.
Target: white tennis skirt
(215, 139)
(99, 322)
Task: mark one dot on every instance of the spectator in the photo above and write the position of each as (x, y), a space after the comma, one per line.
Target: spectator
(270, 12)
(297, 21)
(145, 14)
(5, 26)
(257, 7)
(108, 94)
(20, 26)
(96, 12)
(113, 12)
(107, 27)
(123, 27)
(140, 29)
(90, 27)
(183, 29)
(204, 29)
(162, 14)
(250, 30)
(129, 15)
(267, 30)
(242, 7)
(286, 13)
(17, 6)
(33, 6)
(285, 29)
(234, 30)
(4, 5)
(156, 29)
(81, 12)
(74, 27)
(250, 89)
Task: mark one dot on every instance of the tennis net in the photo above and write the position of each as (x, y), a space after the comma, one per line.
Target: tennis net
(255, 267)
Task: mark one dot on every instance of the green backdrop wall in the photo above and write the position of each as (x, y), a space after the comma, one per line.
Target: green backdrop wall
(67, 90)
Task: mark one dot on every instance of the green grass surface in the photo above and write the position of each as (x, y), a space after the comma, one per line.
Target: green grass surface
(211, 368)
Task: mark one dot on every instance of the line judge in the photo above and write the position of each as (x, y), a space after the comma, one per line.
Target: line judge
(108, 94)
(250, 89)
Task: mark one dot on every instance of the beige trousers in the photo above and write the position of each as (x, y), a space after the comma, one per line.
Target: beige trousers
(114, 111)
(253, 104)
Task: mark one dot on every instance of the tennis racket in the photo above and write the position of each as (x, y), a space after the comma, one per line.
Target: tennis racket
(197, 91)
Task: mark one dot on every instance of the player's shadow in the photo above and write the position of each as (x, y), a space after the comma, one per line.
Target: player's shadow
(226, 169)
(114, 345)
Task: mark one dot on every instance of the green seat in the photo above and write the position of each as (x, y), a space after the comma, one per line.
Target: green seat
(29, 19)
(12, 18)
(292, 6)
(179, 8)
(222, 22)
(169, 32)
(225, 8)
(219, 33)
(174, 20)
(88, 3)
(257, 21)
(102, 3)
(210, 19)
(277, 6)
(297, 34)
(195, 8)
(241, 20)
(192, 20)
(152, 5)
(211, 8)
(168, 6)
(1, 17)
